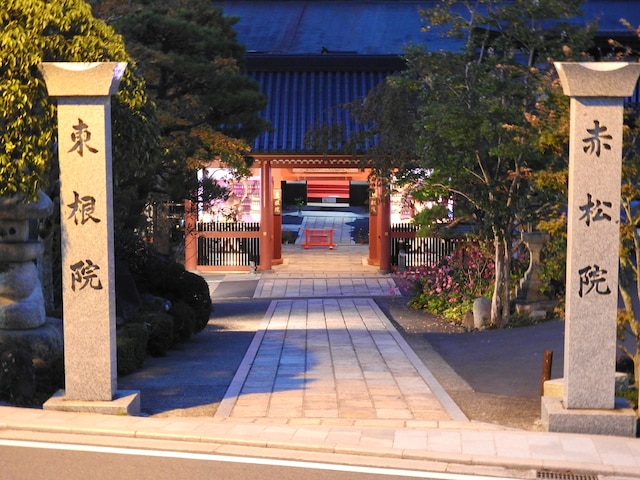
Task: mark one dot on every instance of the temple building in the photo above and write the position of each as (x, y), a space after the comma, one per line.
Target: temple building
(311, 57)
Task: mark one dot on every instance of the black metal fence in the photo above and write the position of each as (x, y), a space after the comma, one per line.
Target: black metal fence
(228, 244)
(419, 251)
(225, 244)
(228, 226)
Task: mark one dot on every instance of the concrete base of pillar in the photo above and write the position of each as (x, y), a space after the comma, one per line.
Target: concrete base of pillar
(125, 402)
(622, 421)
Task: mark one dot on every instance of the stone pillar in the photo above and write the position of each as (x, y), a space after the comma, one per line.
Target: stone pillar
(266, 217)
(597, 92)
(86, 213)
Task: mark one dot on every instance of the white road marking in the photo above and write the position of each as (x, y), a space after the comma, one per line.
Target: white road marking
(212, 457)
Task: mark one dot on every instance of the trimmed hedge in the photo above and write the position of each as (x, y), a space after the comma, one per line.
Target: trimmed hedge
(131, 344)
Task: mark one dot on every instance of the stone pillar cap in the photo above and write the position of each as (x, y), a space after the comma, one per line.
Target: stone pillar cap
(80, 79)
(598, 79)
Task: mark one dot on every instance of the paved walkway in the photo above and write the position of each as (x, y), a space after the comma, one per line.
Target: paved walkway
(331, 359)
(345, 222)
(327, 372)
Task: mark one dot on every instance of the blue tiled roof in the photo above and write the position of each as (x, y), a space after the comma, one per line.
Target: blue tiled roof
(299, 101)
(305, 27)
(370, 27)
(361, 42)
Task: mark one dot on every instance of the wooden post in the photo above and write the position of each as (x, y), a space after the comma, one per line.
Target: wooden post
(190, 236)
(266, 217)
(384, 234)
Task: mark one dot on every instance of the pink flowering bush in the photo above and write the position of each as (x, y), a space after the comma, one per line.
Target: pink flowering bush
(449, 287)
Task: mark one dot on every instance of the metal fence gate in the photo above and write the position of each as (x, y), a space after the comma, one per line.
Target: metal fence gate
(228, 244)
(419, 250)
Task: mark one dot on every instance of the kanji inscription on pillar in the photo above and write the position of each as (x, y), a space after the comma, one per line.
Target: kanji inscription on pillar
(596, 92)
(86, 195)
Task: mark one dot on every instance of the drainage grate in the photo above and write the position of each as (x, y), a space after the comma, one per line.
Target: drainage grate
(549, 475)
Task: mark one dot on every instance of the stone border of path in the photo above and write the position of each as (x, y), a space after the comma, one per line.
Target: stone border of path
(234, 391)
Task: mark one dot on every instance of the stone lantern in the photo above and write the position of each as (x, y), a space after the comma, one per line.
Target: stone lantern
(24, 326)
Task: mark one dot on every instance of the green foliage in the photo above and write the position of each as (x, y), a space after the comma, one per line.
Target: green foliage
(479, 116)
(27, 381)
(160, 333)
(17, 377)
(207, 107)
(181, 305)
(38, 31)
(131, 347)
(631, 395)
(553, 260)
(132, 339)
(194, 291)
(183, 321)
(628, 323)
(170, 280)
(449, 287)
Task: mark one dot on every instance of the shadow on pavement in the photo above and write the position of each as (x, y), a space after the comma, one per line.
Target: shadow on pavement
(192, 379)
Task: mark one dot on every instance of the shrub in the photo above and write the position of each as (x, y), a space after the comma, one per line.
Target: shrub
(49, 376)
(449, 287)
(125, 348)
(17, 377)
(171, 281)
(289, 236)
(183, 321)
(161, 337)
(194, 290)
(131, 344)
(26, 381)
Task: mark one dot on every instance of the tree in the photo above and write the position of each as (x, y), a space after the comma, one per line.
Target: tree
(476, 136)
(628, 319)
(39, 31)
(34, 31)
(195, 72)
(629, 278)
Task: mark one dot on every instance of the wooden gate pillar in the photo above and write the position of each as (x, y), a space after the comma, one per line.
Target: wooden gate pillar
(384, 232)
(190, 236)
(374, 250)
(277, 227)
(266, 216)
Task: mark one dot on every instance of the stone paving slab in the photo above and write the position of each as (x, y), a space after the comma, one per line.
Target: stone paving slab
(459, 447)
(325, 286)
(337, 358)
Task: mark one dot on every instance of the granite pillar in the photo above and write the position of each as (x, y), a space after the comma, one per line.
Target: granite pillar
(88, 273)
(597, 92)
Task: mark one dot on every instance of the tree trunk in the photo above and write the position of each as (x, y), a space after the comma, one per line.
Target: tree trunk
(499, 272)
(501, 291)
(506, 282)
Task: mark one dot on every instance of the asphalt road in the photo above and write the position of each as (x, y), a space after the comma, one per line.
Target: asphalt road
(44, 461)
